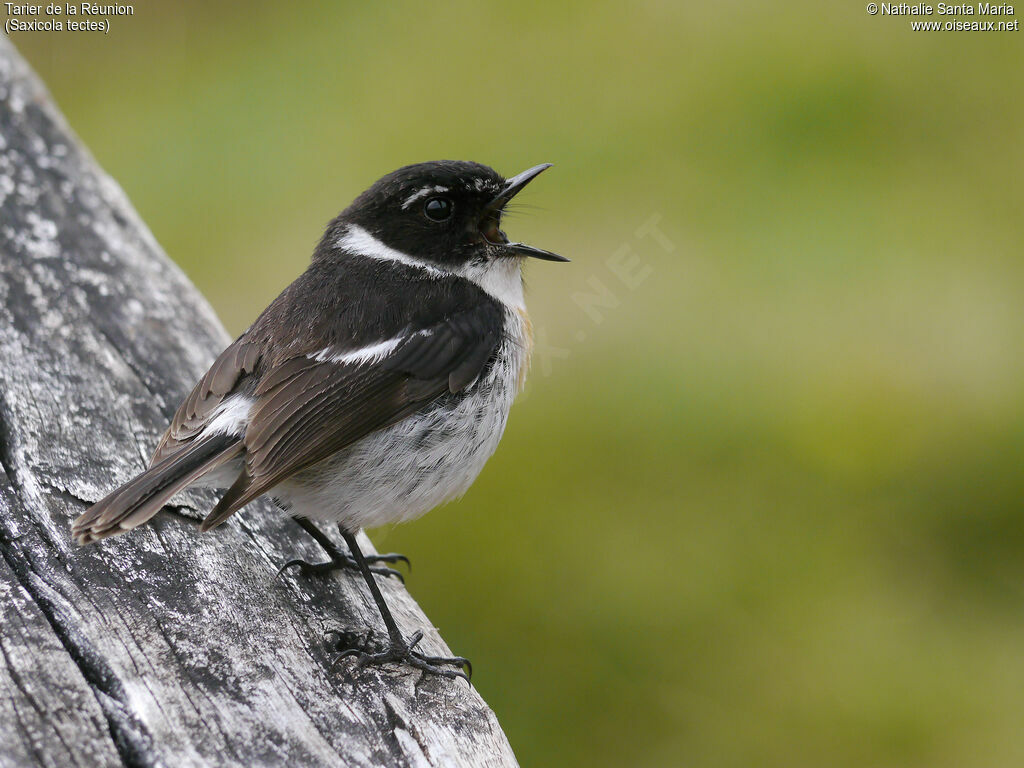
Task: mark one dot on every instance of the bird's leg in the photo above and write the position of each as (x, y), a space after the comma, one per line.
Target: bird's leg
(339, 559)
(400, 650)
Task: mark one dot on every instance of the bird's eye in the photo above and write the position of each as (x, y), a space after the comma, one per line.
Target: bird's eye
(438, 208)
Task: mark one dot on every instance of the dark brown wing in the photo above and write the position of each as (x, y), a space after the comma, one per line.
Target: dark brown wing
(184, 454)
(307, 409)
(235, 362)
(143, 496)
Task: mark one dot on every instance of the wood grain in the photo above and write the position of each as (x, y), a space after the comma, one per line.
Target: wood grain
(163, 647)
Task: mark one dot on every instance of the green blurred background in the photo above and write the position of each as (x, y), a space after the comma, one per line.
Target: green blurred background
(762, 508)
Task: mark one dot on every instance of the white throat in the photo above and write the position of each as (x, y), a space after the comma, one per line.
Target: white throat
(501, 278)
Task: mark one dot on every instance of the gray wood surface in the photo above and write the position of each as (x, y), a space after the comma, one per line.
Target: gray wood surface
(162, 647)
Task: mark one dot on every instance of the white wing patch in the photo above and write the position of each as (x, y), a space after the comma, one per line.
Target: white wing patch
(371, 354)
(231, 417)
(368, 355)
(404, 470)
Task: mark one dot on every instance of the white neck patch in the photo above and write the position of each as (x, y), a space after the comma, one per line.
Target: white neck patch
(501, 278)
(358, 240)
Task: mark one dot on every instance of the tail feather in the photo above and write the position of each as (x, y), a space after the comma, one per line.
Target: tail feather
(141, 498)
(236, 497)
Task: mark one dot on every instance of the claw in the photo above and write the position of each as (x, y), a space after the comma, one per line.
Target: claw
(288, 565)
(363, 660)
(457, 660)
(406, 654)
(308, 569)
(416, 637)
(344, 655)
(390, 557)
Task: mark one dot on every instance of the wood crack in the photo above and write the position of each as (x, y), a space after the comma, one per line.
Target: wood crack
(160, 647)
(129, 736)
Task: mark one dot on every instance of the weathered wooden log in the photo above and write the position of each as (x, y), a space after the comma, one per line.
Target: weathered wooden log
(164, 646)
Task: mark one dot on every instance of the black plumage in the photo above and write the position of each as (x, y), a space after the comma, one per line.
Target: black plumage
(373, 388)
(306, 409)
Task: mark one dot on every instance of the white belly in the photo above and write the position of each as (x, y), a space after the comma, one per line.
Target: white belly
(405, 470)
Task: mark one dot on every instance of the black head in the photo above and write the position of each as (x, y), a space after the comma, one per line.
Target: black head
(447, 212)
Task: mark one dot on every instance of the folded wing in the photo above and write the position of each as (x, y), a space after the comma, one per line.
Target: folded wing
(311, 406)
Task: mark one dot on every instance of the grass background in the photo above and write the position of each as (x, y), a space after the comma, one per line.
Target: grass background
(767, 508)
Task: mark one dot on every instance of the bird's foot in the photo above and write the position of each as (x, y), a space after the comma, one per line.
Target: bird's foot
(401, 652)
(340, 562)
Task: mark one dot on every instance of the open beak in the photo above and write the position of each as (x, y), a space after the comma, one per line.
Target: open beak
(512, 188)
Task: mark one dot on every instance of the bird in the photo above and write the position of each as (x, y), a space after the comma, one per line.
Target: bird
(373, 389)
